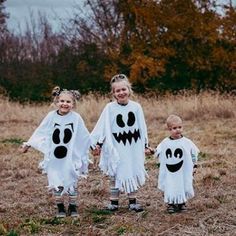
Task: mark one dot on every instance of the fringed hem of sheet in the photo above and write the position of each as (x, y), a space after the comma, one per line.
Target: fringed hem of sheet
(132, 184)
(173, 199)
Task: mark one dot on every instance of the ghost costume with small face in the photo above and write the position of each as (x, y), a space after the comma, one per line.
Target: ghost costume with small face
(176, 169)
(122, 130)
(64, 141)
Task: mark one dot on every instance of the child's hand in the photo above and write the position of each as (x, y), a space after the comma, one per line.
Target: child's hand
(24, 148)
(149, 151)
(194, 169)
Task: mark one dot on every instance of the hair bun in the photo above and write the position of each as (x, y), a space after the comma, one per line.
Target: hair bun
(56, 91)
(76, 94)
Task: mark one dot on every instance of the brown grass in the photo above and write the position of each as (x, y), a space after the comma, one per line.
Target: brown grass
(209, 119)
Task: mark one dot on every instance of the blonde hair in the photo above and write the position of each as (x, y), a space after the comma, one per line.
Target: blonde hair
(57, 92)
(120, 78)
(172, 119)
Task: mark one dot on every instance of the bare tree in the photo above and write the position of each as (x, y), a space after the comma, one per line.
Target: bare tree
(3, 16)
(97, 22)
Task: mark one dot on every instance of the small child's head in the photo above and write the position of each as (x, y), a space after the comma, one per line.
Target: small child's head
(121, 88)
(175, 126)
(65, 99)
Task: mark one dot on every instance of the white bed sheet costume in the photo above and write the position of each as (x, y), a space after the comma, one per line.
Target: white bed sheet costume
(122, 131)
(176, 169)
(64, 141)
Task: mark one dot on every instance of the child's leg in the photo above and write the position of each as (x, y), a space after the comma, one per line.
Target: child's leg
(61, 212)
(114, 195)
(73, 208)
(133, 205)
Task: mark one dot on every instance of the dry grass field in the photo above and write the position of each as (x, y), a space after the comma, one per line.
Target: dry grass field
(26, 208)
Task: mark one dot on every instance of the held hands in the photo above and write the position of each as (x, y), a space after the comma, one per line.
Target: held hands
(149, 151)
(96, 151)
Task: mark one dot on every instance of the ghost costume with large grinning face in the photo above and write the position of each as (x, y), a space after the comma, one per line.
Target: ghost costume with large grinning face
(176, 169)
(122, 130)
(64, 141)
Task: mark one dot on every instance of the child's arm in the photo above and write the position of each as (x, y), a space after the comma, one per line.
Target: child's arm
(157, 150)
(39, 136)
(194, 160)
(98, 133)
(194, 155)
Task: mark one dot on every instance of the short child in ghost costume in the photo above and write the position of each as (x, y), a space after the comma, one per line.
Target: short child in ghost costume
(177, 159)
(121, 129)
(64, 140)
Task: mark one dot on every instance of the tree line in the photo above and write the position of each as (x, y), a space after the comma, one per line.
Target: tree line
(165, 45)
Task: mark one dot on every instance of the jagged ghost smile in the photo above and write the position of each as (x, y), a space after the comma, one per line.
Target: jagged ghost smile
(124, 137)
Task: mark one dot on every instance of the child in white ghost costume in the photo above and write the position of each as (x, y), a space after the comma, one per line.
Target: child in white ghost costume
(121, 136)
(64, 140)
(178, 156)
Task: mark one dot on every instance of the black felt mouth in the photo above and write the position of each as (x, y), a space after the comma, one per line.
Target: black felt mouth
(175, 167)
(127, 136)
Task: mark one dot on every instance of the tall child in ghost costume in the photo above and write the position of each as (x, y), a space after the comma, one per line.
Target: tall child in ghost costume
(178, 157)
(121, 136)
(64, 140)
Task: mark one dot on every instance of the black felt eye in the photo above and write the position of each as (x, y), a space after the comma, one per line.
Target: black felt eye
(178, 153)
(168, 153)
(67, 135)
(120, 121)
(131, 119)
(56, 136)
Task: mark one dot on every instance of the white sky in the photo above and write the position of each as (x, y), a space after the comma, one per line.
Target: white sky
(20, 11)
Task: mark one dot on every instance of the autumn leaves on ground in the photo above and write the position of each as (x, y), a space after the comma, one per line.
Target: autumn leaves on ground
(209, 120)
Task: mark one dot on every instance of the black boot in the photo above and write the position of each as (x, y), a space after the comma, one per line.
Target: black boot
(182, 207)
(73, 210)
(134, 206)
(61, 212)
(113, 206)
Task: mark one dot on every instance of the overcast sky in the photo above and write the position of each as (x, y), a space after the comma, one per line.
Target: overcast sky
(20, 10)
